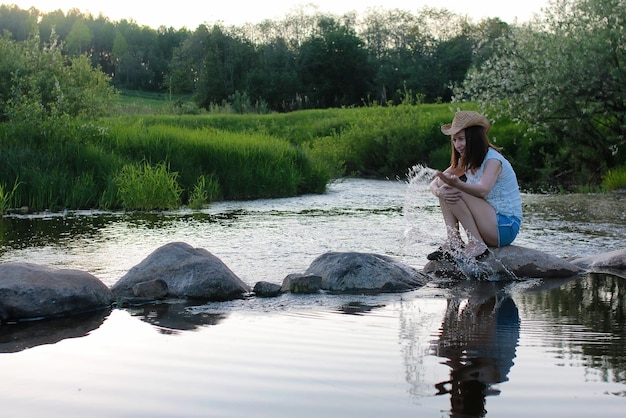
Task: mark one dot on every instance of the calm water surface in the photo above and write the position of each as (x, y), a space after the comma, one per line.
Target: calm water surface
(532, 348)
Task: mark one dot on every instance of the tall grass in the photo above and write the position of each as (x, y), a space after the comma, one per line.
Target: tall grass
(6, 197)
(245, 165)
(205, 190)
(144, 187)
(74, 165)
(615, 179)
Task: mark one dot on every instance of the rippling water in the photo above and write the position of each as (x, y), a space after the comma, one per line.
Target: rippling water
(522, 349)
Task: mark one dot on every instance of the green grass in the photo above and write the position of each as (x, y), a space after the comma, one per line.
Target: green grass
(196, 159)
(141, 186)
(133, 102)
(615, 179)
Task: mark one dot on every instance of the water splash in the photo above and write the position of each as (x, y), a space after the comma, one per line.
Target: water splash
(420, 176)
(423, 229)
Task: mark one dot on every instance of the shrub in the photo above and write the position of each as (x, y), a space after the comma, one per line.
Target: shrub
(143, 187)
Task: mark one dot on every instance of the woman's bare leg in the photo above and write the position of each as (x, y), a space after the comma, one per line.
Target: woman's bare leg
(453, 232)
(479, 221)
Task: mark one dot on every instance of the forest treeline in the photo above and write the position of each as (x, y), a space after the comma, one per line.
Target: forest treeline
(319, 97)
(307, 60)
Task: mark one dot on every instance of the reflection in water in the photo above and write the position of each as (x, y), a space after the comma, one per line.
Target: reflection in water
(24, 335)
(170, 317)
(478, 338)
(590, 315)
(358, 308)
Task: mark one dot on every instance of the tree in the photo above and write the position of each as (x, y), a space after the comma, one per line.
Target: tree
(19, 23)
(38, 84)
(79, 39)
(334, 66)
(275, 77)
(565, 77)
(224, 68)
(184, 67)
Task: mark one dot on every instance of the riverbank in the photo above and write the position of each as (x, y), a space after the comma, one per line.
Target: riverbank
(146, 162)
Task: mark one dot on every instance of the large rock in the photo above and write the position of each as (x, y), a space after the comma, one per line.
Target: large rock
(613, 262)
(29, 291)
(510, 262)
(353, 272)
(188, 272)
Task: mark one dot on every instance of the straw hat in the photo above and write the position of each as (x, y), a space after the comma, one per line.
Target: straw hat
(464, 119)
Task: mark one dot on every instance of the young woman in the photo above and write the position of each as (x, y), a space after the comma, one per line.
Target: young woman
(488, 203)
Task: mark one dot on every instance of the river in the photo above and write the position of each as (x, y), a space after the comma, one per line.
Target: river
(516, 349)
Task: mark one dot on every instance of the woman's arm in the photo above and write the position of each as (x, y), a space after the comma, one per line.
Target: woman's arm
(492, 170)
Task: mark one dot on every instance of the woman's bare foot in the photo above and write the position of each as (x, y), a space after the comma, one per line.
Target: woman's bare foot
(477, 251)
(446, 251)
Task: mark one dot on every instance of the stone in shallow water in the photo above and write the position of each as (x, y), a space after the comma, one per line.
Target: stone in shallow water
(613, 262)
(510, 262)
(188, 272)
(266, 289)
(302, 283)
(351, 272)
(29, 291)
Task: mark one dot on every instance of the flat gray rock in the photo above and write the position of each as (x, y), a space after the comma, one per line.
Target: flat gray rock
(507, 263)
(613, 262)
(32, 291)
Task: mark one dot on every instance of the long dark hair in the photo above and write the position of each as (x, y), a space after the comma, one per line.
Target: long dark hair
(476, 146)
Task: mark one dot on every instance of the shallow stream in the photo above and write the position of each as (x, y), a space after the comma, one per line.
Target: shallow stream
(516, 349)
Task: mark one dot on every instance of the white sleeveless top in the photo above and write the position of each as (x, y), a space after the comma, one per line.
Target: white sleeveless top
(505, 195)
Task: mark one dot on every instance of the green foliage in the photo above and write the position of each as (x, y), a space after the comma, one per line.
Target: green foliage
(40, 84)
(307, 59)
(204, 192)
(246, 165)
(145, 187)
(615, 179)
(334, 67)
(6, 197)
(564, 78)
(387, 140)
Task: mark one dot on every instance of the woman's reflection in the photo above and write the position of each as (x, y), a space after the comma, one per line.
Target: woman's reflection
(478, 338)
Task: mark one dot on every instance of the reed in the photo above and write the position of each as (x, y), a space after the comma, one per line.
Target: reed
(245, 165)
(615, 179)
(205, 191)
(73, 165)
(6, 197)
(145, 187)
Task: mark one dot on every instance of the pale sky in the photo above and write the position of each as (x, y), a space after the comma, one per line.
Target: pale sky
(191, 13)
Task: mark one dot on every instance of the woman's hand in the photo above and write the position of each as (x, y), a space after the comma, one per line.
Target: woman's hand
(449, 179)
(449, 194)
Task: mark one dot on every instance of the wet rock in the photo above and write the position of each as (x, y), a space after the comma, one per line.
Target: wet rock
(266, 289)
(510, 262)
(188, 272)
(613, 262)
(302, 283)
(29, 291)
(353, 272)
(152, 289)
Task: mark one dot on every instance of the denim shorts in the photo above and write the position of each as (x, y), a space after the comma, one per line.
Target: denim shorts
(508, 227)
